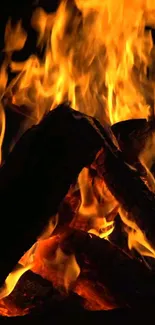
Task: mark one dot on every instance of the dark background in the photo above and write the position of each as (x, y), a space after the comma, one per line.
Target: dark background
(23, 10)
(19, 10)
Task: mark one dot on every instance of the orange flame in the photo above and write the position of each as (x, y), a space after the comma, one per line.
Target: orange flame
(136, 238)
(97, 55)
(93, 211)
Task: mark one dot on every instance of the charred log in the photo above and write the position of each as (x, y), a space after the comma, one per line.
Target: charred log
(128, 280)
(37, 175)
(127, 187)
(117, 279)
(34, 294)
(131, 136)
(103, 264)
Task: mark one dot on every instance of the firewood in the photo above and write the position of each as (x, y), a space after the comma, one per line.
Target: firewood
(42, 166)
(37, 175)
(117, 280)
(130, 282)
(34, 294)
(103, 264)
(127, 187)
(131, 136)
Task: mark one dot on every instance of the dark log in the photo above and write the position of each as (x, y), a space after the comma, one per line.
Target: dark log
(131, 136)
(127, 187)
(33, 294)
(37, 175)
(128, 280)
(49, 307)
(101, 262)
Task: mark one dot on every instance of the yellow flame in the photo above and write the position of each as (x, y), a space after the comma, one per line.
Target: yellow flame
(52, 263)
(66, 267)
(12, 280)
(93, 211)
(136, 238)
(27, 261)
(97, 55)
(25, 264)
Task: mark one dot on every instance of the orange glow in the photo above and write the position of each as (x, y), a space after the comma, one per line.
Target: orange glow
(94, 300)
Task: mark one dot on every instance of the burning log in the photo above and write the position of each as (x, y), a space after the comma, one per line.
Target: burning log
(128, 280)
(33, 293)
(43, 165)
(37, 175)
(127, 187)
(109, 278)
(131, 136)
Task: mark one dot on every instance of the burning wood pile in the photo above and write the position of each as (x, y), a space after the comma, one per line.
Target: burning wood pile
(77, 188)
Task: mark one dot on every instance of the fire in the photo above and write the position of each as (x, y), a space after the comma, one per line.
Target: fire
(93, 212)
(12, 279)
(102, 73)
(97, 56)
(53, 264)
(136, 238)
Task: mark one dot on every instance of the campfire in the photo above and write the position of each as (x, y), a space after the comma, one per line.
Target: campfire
(77, 178)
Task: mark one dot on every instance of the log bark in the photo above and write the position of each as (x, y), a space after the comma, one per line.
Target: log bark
(127, 279)
(37, 175)
(131, 136)
(127, 187)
